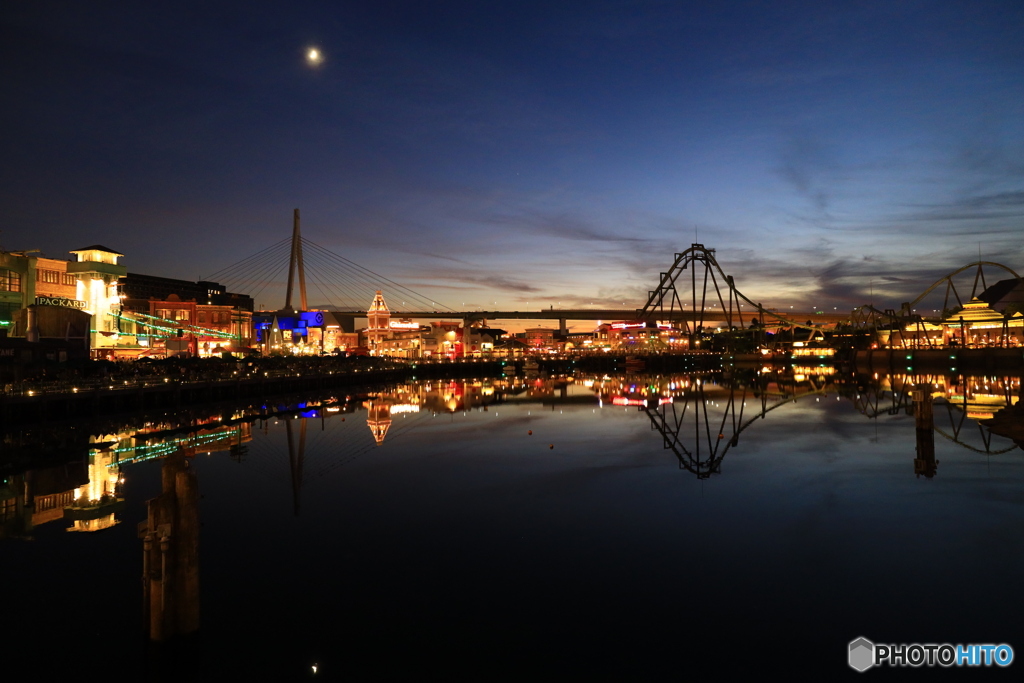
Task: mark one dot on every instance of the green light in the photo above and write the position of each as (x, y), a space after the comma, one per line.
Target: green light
(191, 328)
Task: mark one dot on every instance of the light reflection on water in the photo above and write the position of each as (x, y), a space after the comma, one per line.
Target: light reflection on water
(585, 524)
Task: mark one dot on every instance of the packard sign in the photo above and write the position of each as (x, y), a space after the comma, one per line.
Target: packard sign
(60, 301)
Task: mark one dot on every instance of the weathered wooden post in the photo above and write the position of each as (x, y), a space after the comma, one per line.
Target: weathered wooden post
(924, 421)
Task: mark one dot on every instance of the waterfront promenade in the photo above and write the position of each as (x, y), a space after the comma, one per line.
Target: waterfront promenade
(102, 388)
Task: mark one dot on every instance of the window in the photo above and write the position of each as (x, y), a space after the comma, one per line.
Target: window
(70, 279)
(10, 281)
(181, 314)
(51, 277)
(8, 508)
(202, 316)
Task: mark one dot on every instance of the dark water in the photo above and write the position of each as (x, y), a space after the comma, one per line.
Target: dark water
(464, 547)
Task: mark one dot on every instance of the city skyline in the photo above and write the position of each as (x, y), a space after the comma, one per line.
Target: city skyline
(525, 153)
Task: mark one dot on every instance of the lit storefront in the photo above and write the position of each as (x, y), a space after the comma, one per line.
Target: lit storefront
(640, 335)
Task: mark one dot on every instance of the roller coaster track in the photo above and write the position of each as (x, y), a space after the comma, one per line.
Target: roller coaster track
(712, 288)
(867, 316)
(988, 443)
(668, 293)
(869, 406)
(979, 277)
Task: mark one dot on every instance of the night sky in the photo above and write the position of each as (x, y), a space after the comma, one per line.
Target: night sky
(524, 151)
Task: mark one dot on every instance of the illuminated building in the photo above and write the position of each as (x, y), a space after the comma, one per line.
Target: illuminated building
(172, 317)
(977, 324)
(540, 337)
(54, 280)
(404, 340)
(173, 327)
(97, 271)
(511, 348)
(444, 340)
(44, 298)
(409, 339)
(38, 301)
(114, 313)
(481, 341)
(378, 318)
(25, 275)
(579, 340)
(633, 335)
(301, 333)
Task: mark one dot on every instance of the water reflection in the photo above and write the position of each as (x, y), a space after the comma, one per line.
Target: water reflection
(423, 449)
(95, 504)
(40, 496)
(698, 417)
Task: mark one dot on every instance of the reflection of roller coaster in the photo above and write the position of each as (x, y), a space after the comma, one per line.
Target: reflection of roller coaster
(700, 425)
(963, 408)
(714, 435)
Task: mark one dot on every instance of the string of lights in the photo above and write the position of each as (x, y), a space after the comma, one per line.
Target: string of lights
(170, 330)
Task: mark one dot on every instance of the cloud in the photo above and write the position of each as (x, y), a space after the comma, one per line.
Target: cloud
(474, 280)
(809, 167)
(984, 207)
